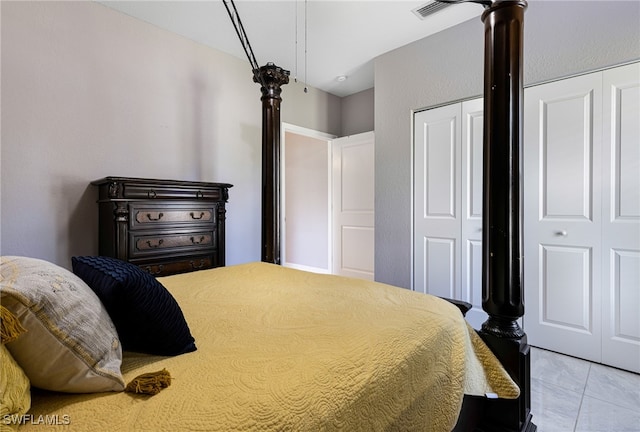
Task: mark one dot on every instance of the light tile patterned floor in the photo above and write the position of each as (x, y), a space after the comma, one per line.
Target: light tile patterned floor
(573, 395)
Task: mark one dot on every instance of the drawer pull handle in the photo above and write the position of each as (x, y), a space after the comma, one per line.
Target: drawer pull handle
(154, 246)
(152, 194)
(150, 270)
(199, 194)
(199, 266)
(155, 218)
(197, 242)
(193, 216)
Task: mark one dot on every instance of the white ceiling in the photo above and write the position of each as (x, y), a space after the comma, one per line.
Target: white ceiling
(342, 37)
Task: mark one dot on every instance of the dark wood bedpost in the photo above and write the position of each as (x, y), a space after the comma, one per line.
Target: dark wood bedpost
(502, 289)
(271, 78)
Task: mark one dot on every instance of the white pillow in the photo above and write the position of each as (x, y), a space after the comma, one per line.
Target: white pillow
(71, 344)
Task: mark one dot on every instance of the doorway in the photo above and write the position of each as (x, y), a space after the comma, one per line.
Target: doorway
(328, 202)
(306, 199)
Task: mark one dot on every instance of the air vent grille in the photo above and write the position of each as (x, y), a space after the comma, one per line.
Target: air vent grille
(429, 8)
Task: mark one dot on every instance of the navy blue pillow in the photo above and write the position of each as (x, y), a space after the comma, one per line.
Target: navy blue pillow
(147, 317)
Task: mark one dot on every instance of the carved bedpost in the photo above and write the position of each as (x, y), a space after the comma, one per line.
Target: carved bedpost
(221, 214)
(502, 239)
(271, 77)
(502, 291)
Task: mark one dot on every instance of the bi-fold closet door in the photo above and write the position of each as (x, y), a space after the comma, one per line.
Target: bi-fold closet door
(581, 212)
(448, 204)
(582, 216)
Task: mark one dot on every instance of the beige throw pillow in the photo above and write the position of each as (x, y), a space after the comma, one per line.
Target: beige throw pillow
(71, 344)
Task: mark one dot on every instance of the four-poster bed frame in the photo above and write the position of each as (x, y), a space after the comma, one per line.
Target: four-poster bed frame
(398, 361)
(502, 240)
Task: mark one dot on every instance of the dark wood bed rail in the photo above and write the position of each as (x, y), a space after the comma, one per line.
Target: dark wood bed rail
(502, 239)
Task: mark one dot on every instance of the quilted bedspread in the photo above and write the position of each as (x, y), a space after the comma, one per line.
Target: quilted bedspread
(286, 350)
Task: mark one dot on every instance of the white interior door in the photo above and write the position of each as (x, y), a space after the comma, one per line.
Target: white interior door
(353, 205)
(562, 216)
(437, 203)
(621, 218)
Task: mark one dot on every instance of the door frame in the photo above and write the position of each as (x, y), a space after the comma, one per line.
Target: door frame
(328, 138)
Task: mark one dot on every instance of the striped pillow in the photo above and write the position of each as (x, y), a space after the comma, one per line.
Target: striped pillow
(147, 317)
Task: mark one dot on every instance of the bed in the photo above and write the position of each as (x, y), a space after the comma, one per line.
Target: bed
(246, 355)
(502, 289)
(284, 350)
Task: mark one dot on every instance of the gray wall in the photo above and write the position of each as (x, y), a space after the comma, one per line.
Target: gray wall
(562, 38)
(358, 112)
(88, 92)
(316, 110)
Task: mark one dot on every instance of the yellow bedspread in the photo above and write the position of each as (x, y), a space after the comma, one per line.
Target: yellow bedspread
(287, 350)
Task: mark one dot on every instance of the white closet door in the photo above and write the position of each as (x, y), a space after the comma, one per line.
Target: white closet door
(562, 216)
(621, 218)
(353, 205)
(437, 143)
(471, 264)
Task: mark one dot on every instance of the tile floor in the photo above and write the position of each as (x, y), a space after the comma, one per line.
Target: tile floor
(573, 395)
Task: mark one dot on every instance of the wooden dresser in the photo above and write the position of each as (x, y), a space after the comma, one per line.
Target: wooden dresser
(163, 226)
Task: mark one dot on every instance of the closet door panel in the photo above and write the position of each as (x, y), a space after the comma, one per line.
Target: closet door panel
(566, 157)
(472, 282)
(565, 280)
(562, 200)
(437, 201)
(440, 266)
(472, 150)
(621, 217)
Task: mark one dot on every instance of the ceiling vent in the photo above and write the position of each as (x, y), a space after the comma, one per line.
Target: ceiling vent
(429, 8)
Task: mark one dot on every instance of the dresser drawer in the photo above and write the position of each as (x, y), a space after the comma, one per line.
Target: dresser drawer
(178, 265)
(142, 243)
(154, 191)
(153, 216)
